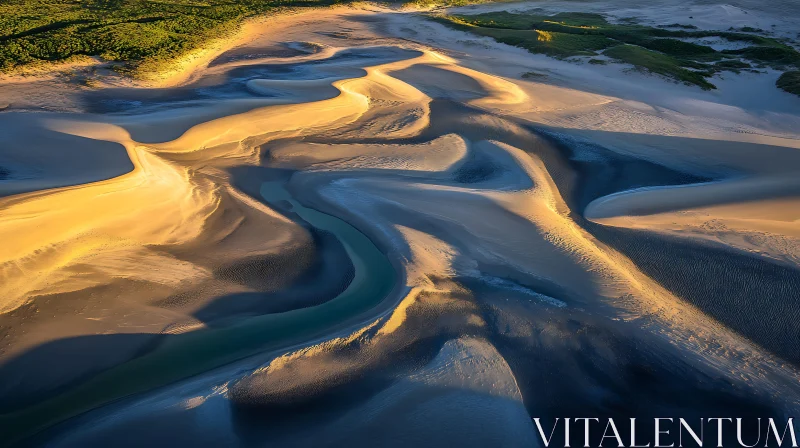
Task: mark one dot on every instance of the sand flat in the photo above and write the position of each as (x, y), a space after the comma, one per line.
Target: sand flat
(549, 231)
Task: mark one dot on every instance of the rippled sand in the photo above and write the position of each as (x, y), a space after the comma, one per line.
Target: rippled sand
(556, 248)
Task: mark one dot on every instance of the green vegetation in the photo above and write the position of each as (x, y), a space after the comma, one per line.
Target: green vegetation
(733, 65)
(680, 25)
(549, 42)
(443, 3)
(140, 33)
(662, 50)
(750, 29)
(679, 48)
(657, 63)
(520, 30)
(790, 82)
(775, 56)
(533, 75)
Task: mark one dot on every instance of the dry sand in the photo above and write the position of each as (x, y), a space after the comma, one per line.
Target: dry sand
(548, 237)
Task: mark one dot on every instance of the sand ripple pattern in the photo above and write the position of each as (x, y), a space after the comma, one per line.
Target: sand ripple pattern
(525, 259)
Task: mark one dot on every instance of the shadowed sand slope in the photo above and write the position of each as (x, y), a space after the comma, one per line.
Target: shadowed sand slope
(370, 238)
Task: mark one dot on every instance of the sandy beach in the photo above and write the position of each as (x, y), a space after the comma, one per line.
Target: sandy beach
(355, 225)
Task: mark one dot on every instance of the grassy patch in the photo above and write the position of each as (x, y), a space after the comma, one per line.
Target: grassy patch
(443, 3)
(501, 20)
(655, 62)
(551, 43)
(578, 19)
(750, 29)
(525, 31)
(774, 56)
(133, 32)
(655, 49)
(790, 82)
(680, 25)
(533, 75)
(679, 48)
(733, 65)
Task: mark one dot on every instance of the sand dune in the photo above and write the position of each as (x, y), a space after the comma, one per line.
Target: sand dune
(530, 241)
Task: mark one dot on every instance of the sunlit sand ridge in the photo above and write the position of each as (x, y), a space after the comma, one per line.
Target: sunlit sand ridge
(530, 245)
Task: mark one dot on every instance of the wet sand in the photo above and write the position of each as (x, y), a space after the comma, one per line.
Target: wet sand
(357, 226)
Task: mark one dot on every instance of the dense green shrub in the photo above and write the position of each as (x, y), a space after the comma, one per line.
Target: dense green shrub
(790, 82)
(131, 31)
